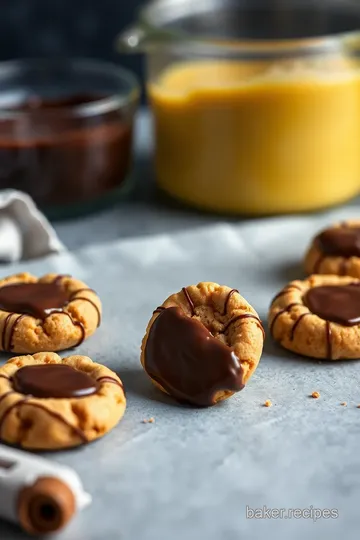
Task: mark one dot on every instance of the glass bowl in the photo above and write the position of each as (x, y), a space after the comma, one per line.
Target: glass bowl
(66, 132)
(256, 103)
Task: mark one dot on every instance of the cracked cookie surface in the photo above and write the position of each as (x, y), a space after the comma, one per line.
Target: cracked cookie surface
(208, 340)
(49, 403)
(335, 250)
(29, 320)
(318, 317)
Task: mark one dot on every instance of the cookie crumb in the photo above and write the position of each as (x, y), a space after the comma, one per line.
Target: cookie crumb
(149, 420)
(343, 403)
(315, 395)
(268, 403)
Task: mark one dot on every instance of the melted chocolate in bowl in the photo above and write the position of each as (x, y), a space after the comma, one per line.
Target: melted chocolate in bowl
(35, 299)
(340, 241)
(339, 304)
(54, 381)
(60, 157)
(192, 365)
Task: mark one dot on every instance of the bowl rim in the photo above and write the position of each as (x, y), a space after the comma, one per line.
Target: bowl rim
(102, 105)
(207, 44)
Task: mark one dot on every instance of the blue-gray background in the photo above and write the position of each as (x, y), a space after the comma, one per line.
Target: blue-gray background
(37, 28)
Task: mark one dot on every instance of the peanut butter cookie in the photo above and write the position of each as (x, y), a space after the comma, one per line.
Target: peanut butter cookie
(203, 344)
(53, 313)
(318, 317)
(49, 403)
(336, 251)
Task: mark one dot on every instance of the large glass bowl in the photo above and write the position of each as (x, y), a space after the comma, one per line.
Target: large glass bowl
(256, 103)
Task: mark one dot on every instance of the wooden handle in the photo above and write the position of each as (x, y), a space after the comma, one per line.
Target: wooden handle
(46, 506)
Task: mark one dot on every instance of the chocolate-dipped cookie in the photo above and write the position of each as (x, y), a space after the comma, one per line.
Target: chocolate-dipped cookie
(202, 344)
(54, 313)
(318, 317)
(336, 251)
(49, 403)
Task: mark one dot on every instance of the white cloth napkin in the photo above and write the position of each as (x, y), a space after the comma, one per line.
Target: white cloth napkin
(25, 233)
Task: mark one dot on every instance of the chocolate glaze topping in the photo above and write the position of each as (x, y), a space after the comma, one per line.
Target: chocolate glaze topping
(35, 299)
(54, 381)
(190, 363)
(340, 241)
(343, 241)
(339, 304)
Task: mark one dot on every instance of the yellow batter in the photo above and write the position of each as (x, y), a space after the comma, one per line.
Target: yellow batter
(258, 138)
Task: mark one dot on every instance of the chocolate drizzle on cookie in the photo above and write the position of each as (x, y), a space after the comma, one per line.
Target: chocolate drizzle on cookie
(38, 300)
(159, 309)
(188, 361)
(244, 316)
(188, 298)
(12, 329)
(58, 279)
(285, 291)
(287, 309)
(74, 322)
(3, 396)
(296, 324)
(328, 334)
(233, 291)
(25, 401)
(107, 379)
(74, 297)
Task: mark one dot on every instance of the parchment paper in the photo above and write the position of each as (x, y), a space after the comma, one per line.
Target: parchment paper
(193, 472)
